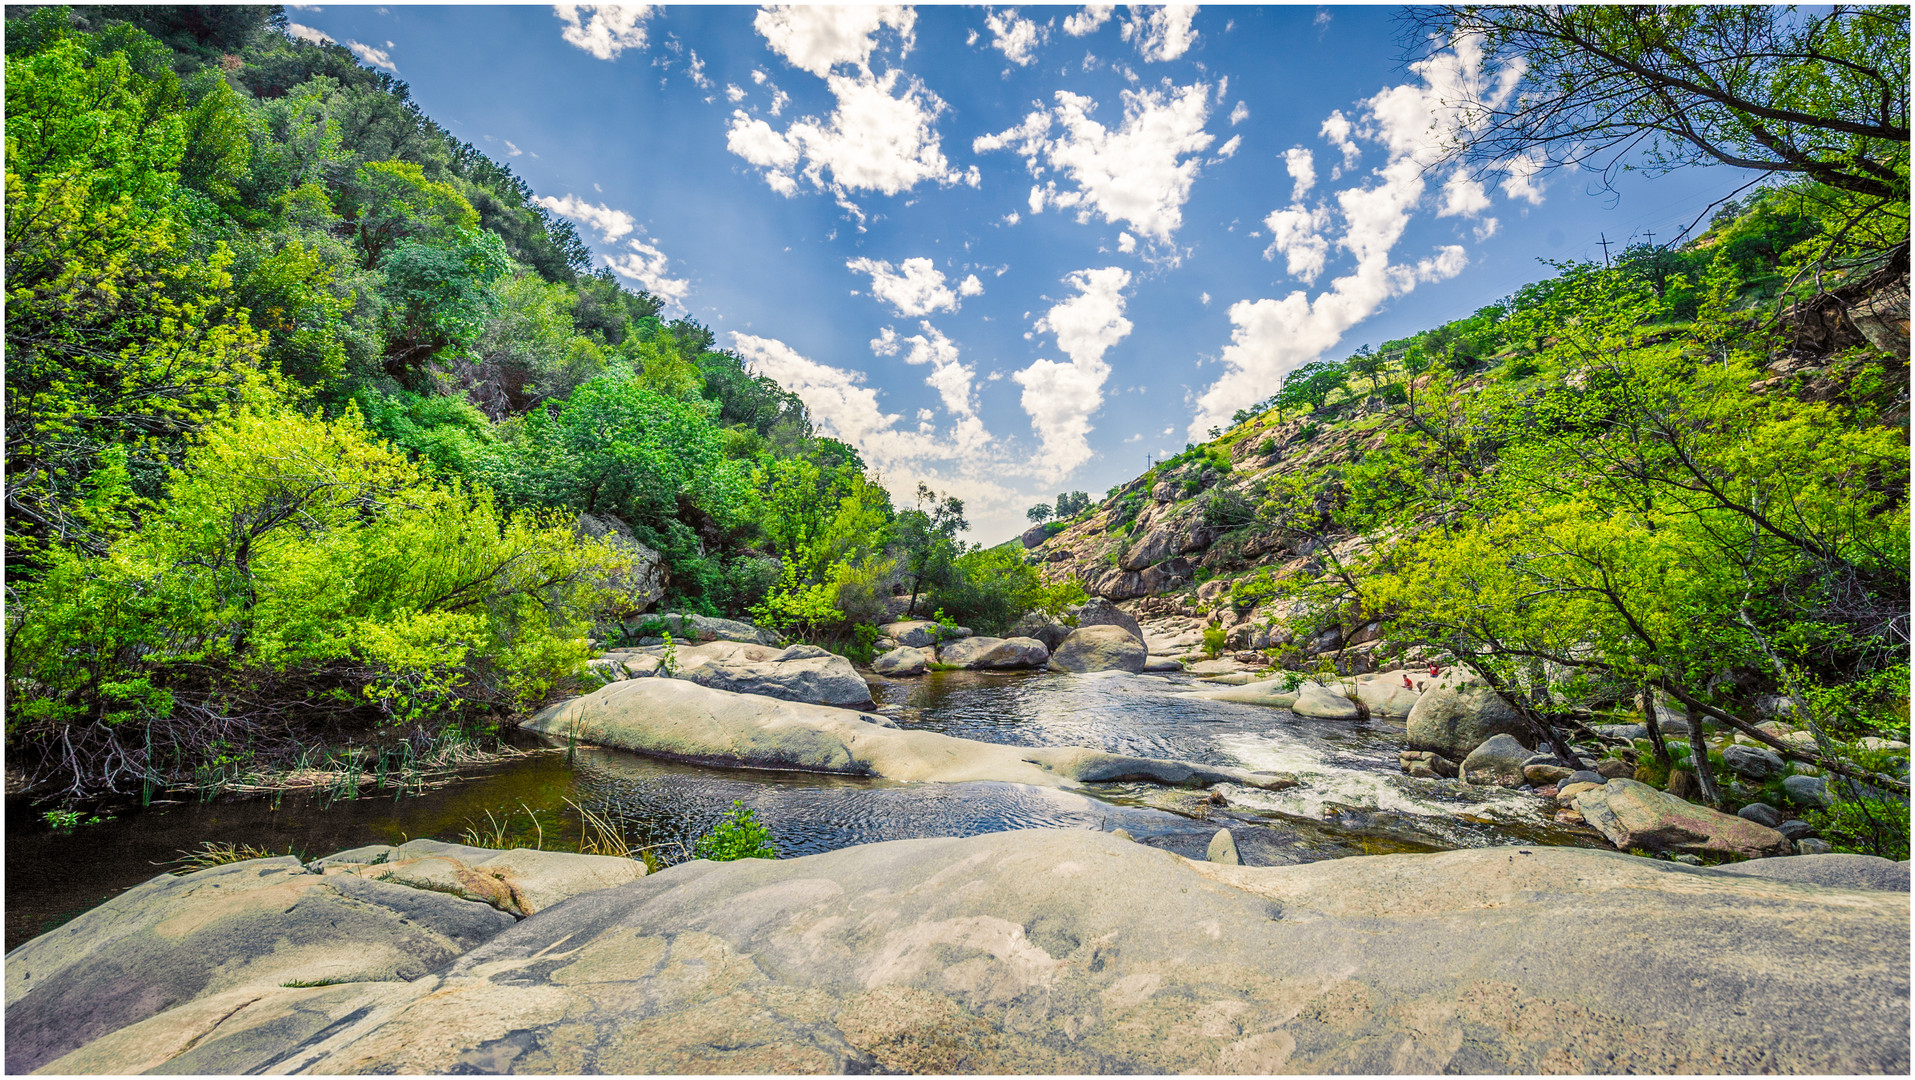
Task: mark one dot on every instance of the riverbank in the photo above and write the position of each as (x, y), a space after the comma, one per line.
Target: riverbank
(1020, 952)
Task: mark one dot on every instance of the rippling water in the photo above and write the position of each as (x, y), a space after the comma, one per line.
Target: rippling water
(1352, 798)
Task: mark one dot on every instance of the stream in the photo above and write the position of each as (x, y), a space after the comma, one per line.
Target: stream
(1352, 799)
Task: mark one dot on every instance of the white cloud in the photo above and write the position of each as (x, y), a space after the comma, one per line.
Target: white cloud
(1336, 128)
(604, 30)
(1239, 114)
(1205, 299)
(1132, 173)
(1126, 243)
(1016, 38)
(1520, 183)
(1229, 148)
(1415, 123)
(1012, 218)
(1088, 20)
(696, 69)
(1463, 197)
(1302, 168)
(611, 225)
(307, 33)
(1161, 33)
(1061, 398)
(734, 93)
(876, 140)
(511, 148)
(915, 287)
(647, 265)
(378, 58)
(816, 39)
(951, 379)
(962, 460)
(1297, 234)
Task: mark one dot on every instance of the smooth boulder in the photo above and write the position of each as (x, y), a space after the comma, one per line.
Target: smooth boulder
(1830, 871)
(1499, 761)
(1384, 694)
(1322, 702)
(1064, 951)
(676, 719)
(1812, 791)
(710, 628)
(1636, 816)
(922, 633)
(901, 662)
(1455, 719)
(1754, 763)
(1098, 611)
(1100, 648)
(997, 654)
(824, 679)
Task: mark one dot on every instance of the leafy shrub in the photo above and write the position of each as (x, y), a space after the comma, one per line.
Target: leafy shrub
(738, 835)
(1248, 592)
(1213, 641)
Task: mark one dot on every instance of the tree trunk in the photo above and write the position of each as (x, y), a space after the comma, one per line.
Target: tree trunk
(1699, 757)
(1647, 698)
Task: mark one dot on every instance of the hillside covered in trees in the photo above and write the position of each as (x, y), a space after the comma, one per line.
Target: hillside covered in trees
(305, 401)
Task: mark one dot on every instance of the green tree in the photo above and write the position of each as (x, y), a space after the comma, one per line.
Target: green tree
(927, 535)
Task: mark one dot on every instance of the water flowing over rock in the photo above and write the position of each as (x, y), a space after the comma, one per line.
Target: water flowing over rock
(1070, 952)
(1325, 703)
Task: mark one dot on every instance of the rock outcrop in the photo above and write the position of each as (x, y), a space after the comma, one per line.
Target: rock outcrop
(801, 673)
(520, 881)
(1637, 817)
(997, 654)
(694, 628)
(1100, 648)
(1071, 952)
(677, 719)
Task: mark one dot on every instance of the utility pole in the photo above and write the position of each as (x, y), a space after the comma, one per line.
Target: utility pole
(1605, 249)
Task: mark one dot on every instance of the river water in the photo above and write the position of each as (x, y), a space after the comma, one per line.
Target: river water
(1352, 799)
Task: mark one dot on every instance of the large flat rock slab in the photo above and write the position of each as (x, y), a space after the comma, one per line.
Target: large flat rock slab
(684, 721)
(1077, 952)
(248, 927)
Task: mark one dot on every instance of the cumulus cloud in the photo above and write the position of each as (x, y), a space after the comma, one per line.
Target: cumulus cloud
(647, 265)
(1463, 197)
(378, 58)
(611, 225)
(1140, 172)
(881, 137)
(1414, 123)
(914, 287)
(817, 39)
(1239, 114)
(307, 33)
(1126, 243)
(1303, 171)
(1015, 37)
(1088, 20)
(961, 460)
(1061, 398)
(1229, 148)
(1161, 33)
(604, 30)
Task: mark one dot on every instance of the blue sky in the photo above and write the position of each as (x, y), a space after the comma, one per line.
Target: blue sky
(1010, 251)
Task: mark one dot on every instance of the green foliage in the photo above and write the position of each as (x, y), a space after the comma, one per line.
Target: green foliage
(294, 556)
(988, 590)
(738, 835)
(1213, 641)
(797, 608)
